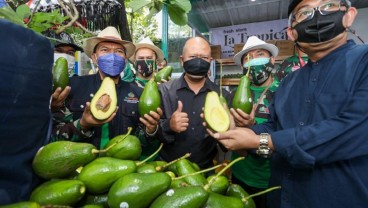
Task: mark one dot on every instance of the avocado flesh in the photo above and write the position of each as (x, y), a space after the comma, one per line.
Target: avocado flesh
(215, 115)
(104, 102)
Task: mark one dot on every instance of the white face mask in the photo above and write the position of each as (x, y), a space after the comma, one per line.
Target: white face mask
(69, 58)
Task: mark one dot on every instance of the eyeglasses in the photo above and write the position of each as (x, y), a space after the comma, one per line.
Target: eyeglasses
(305, 14)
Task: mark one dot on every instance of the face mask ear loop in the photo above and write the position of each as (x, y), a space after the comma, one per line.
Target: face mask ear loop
(302, 62)
(299, 48)
(356, 35)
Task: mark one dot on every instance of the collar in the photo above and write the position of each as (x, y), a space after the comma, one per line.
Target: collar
(332, 54)
(206, 87)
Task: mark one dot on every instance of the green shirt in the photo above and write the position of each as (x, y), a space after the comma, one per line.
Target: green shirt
(253, 170)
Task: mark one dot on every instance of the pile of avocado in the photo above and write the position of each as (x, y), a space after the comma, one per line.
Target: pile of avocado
(79, 175)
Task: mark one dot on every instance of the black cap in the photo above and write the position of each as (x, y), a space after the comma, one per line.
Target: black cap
(292, 5)
(62, 39)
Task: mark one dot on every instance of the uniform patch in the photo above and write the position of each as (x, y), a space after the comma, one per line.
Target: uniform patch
(131, 98)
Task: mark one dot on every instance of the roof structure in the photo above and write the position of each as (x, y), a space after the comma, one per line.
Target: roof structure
(207, 14)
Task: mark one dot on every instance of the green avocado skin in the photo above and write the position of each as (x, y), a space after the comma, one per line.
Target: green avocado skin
(61, 158)
(243, 97)
(164, 73)
(137, 190)
(59, 192)
(60, 75)
(150, 99)
(101, 173)
(182, 197)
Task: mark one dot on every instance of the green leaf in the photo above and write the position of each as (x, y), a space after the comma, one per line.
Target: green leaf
(138, 4)
(177, 15)
(158, 5)
(23, 11)
(38, 27)
(9, 14)
(40, 17)
(153, 11)
(183, 4)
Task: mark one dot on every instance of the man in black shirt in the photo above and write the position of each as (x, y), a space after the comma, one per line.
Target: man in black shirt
(182, 101)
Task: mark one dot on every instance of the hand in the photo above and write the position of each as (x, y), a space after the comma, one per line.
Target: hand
(237, 139)
(179, 121)
(88, 120)
(241, 118)
(164, 80)
(151, 120)
(58, 98)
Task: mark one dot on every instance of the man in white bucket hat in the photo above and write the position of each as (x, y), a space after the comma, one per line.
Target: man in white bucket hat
(257, 56)
(145, 60)
(110, 53)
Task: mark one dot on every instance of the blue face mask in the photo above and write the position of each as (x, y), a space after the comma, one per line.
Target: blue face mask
(111, 64)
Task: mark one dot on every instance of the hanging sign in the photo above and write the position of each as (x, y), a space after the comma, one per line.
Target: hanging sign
(227, 37)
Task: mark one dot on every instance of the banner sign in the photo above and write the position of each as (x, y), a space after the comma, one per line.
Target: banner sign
(228, 36)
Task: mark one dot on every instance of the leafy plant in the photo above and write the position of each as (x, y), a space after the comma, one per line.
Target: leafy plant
(141, 26)
(177, 9)
(41, 21)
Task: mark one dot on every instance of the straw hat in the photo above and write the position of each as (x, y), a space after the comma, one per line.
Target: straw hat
(109, 34)
(252, 43)
(147, 43)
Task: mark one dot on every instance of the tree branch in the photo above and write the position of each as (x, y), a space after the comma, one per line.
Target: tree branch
(73, 18)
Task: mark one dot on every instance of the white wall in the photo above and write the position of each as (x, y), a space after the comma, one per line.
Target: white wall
(360, 26)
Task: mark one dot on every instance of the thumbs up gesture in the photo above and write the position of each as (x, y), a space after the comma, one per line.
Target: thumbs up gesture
(179, 120)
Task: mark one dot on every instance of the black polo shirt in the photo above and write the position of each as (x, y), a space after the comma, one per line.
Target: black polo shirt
(195, 139)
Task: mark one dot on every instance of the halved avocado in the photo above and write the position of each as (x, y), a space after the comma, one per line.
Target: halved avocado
(215, 114)
(104, 102)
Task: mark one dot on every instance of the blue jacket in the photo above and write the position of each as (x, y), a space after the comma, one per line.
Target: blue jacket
(25, 89)
(319, 122)
(82, 90)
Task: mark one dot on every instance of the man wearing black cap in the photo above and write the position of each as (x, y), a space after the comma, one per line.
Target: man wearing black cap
(63, 43)
(64, 46)
(316, 137)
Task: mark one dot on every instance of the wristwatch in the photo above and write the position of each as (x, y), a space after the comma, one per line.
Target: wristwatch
(263, 149)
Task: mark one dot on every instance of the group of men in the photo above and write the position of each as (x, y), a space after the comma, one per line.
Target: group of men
(305, 133)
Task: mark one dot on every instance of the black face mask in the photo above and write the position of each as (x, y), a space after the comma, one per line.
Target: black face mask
(320, 28)
(145, 67)
(196, 66)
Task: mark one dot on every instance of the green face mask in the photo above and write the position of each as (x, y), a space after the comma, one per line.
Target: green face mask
(145, 67)
(260, 69)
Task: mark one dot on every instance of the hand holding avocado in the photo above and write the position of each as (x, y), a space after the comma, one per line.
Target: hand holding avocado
(58, 98)
(241, 118)
(151, 120)
(179, 121)
(163, 75)
(88, 121)
(238, 139)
